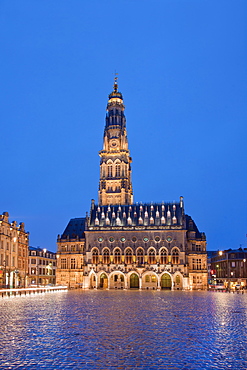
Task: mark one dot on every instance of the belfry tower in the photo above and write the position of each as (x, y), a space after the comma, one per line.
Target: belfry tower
(115, 186)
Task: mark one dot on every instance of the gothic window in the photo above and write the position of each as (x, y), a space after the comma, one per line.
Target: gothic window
(117, 256)
(117, 170)
(95, 255)
(175, 256)
(163, 256)
(151, 256)
(106, 256)
(110, 170)
(128, 256)
(140, 257)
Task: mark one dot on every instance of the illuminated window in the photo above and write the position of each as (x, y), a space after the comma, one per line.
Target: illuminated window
(147, 279)
(163, 256)
(153, 278)
(117, 256)
(106, 256)
(95, 255)
(151, 256)
(140, 256)
(175, 256)
(128, 256)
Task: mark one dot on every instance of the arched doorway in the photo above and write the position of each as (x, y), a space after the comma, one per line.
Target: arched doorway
(103, 281)
(134, 281)
(166, 281)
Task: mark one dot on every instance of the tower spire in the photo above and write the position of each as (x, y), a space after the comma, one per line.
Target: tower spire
(115, 186)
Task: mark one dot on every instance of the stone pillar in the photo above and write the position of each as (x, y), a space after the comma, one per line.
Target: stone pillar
(140, 283)
(158, 286)
(125, 282)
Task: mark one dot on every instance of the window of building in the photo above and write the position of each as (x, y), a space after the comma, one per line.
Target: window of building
(147, 279)
(151, 256)
(163, 256)
(63, 263)
(110, 171)
(175, 256)
(233, 264)
(72, 263)
(128, 256)
(117, 256)
(33, 261)
(117, 170)
(95, 256)
(106, 256)
(153, 278)
(196, 264)
(140, 256)
(198, 247)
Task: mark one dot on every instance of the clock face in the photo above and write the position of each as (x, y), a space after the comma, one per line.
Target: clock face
(113, 143)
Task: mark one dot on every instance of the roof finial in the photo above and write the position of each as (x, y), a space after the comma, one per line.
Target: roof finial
(115, 86)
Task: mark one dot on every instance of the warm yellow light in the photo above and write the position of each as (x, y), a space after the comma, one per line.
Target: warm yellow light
(220, 253)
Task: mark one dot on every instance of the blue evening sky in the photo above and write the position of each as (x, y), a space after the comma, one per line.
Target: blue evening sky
(182, 68)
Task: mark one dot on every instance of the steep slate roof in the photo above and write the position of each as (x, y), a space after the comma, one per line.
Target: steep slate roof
(156, 214)
(191, 226)
(75, 227)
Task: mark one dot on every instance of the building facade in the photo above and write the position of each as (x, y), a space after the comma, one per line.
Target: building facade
(229, 268)
(42, 267)
(122, 244)
(14, 241)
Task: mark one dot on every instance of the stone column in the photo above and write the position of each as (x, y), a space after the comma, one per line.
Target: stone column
(140, 283)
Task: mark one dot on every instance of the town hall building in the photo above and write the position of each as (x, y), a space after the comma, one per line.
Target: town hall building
(125, 245)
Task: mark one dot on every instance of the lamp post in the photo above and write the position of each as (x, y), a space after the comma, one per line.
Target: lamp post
(244, 271)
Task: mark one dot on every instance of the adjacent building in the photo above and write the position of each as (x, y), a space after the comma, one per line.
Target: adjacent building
(41, 267)
(14, 241)
(122, 244)
(229, 268)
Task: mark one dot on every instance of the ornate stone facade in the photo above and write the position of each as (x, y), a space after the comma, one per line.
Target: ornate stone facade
(124, 245)
(14, 241)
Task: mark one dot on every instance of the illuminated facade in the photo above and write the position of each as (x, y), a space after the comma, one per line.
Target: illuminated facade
(42, 267)
(124, 245)
(14, 241)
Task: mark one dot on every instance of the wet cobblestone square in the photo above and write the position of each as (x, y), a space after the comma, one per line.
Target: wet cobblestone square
(124, 330)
